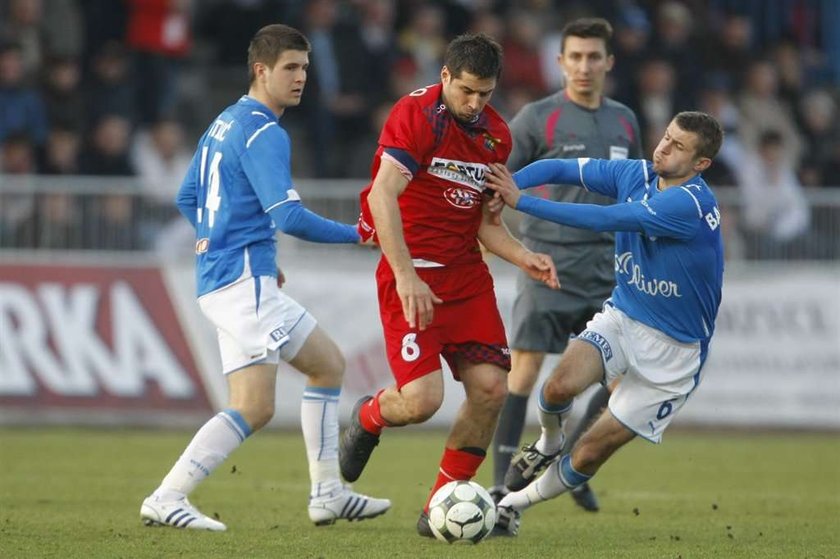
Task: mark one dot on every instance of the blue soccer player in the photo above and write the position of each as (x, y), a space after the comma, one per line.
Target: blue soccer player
(653, 333)
(237, 192)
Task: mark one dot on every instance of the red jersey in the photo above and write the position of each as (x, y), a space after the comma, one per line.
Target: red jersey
(447, 160)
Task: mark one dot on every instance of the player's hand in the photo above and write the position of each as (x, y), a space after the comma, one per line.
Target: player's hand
(500, 180)
(541, 268)
(369, 242)
(494, 205)
(281, 277)
(418, 301)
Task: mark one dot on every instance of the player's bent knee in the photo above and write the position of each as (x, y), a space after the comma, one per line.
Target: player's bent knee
(421, 408)
(258, 416)
(558, 389)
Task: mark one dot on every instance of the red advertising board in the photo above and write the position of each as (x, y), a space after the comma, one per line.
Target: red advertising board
(94, 339)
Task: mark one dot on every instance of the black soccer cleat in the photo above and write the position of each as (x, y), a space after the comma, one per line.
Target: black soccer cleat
(356, 445)
(508, 521)
(497, 493)
(526, 466)
(585, 498)
(423, 527)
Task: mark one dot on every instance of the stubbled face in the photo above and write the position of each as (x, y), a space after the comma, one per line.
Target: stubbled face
(585, 63)
(282, 85)
(675, 157)
(467, 95)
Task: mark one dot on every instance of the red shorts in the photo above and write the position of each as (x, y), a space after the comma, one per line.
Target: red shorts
(469, 327)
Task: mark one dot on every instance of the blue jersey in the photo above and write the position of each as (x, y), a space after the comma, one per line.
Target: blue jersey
(238, 186)
(668, 244)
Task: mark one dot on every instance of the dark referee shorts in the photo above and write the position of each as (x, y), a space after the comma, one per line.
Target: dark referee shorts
(543, 318)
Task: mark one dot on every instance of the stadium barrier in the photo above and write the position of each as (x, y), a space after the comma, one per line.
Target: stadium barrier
(114, 336)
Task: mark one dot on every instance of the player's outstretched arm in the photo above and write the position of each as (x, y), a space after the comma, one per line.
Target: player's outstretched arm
(496, 238)
(292, 218)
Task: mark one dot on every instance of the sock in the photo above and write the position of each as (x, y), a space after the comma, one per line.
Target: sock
(551, 421)
(593, 409)
(210, 446)
(558, 479)
(460, 464)
(508, 434)
(370, 415)
(319, 423)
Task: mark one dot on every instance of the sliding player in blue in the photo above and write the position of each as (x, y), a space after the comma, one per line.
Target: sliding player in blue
(650, 341)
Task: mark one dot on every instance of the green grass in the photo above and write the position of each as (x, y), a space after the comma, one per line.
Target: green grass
(77, 493)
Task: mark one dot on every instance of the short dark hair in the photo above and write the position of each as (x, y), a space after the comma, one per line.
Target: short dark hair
(708, 130)
(475, 53)
(588, 28)
(269, 44)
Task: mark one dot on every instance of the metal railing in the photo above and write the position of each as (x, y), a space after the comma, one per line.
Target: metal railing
(39, 213)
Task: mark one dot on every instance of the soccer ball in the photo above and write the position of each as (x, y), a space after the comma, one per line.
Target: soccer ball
(462, 511)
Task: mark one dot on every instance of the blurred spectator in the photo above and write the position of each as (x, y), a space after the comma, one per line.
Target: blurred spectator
(61, 154)
(22, 26)
(729, 51)
(632, 32)
(674, 42)
(775, 211)
(109, 90)
(762, 110)
(63, 95)
(161, 160)
(656, 99)
(424, 42)
(17, 165)
(159, 35)
(64, 28)
(21, 107)
(107, 149)
(819, 115)
(521, 73)
(337, 102)
(716, 99)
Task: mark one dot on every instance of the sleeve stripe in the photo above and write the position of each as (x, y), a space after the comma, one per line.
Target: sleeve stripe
(403, 158)
(582, 161)
(647, 177)
(404, 171)
(292, 196)
(257, 133)
(696, 201)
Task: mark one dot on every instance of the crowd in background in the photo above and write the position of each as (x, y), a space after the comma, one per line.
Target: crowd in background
(125, 87)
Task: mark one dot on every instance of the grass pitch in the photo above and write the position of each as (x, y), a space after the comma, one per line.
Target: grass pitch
(76, 493)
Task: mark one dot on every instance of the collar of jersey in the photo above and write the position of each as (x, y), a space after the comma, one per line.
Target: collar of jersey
(251, 101)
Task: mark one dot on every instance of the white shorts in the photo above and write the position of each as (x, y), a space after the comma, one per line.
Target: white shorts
(657, 372)
(256, 323)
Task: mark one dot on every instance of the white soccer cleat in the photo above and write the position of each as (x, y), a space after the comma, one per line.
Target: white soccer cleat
(349, 505)
(178, 514)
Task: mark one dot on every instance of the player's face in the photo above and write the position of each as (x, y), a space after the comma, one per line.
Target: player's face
(675, 157)
(283, 84)
(585, 63)
(466, 95)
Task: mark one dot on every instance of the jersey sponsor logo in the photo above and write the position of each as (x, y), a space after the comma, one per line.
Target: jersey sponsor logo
(202, 245)
(460, 172)
(93, 338)
(463, 198)
(573, 147)
(599, 341)
(633, 275)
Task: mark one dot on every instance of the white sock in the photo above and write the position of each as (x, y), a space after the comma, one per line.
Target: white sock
(210, 446)
(319, 422)
(544, 488)
(551, 422)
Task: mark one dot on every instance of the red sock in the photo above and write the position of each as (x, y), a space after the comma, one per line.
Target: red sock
(370, 416)
(457, 464)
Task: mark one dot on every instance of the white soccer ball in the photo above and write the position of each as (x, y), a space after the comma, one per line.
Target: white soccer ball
(462, 511)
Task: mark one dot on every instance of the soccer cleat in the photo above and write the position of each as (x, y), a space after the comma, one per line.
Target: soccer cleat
(423, 527)
(347, 505)
(497, 492)
(356, 444)
(527, 465)
(178, 514)
(508, 520)
(585, 498)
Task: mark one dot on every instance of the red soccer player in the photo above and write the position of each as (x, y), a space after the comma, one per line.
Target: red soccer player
(426, 209)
